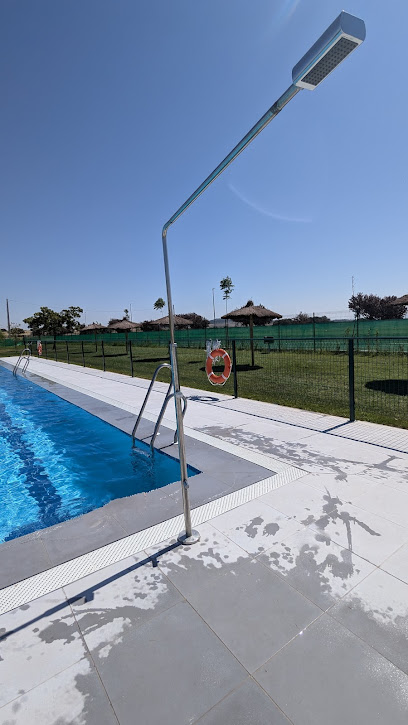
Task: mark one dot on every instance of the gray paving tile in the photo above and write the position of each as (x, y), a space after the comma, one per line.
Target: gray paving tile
(171, 669)
(349, 450)
(315, 566)
(80, 535)
(328, 675)
(121, 596)
(255, 526)
(248, 705)
(346, 488)
(22, 558)
(253, 611)
(397, 564)
(39, 640)
(73, 697)
(276, 431)
(398, 480)
(301, 502)
(377, 611)
(194, 566)
(388, 502)
(366, 534)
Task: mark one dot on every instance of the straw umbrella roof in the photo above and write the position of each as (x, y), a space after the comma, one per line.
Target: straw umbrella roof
(93, 328)
(254, 311)
(400, 301)
(123, 325)
(181, 321)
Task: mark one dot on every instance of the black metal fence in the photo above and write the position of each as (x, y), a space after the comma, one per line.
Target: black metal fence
(365, 379)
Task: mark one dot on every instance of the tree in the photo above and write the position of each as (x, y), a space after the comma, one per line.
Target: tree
(373, 307)
(69, 319)
(16, 331)
(226, 287)
(303, 318)
(126, 314)
(197, 321)
(392, 312)
(159, 304)
(49, 322)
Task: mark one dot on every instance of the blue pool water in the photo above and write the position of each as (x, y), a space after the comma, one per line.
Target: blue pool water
(57, 461)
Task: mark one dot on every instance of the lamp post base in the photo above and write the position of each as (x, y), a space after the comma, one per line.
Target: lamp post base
(188, 540)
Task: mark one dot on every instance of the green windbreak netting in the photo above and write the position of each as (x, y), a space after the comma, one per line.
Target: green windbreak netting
(282, 334)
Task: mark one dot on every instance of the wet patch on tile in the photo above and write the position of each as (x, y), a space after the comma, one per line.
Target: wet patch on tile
(377, 611)
(315, 566)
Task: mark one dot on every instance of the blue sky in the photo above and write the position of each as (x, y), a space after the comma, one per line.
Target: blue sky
(114, 111)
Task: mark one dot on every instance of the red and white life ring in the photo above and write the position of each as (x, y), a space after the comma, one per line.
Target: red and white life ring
(212, 377)
(39, 348)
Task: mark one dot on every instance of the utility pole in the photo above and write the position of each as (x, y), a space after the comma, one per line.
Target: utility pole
(8, 316)
(130, 309)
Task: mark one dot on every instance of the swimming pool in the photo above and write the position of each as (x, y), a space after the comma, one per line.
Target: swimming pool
(57, 461)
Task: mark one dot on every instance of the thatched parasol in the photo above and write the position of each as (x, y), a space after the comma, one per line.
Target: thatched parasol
(124, 326)
(95, 327)
(179, 321)
(251, 313)
(400, 301)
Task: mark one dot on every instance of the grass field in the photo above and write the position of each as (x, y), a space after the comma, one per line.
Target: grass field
(311, 381)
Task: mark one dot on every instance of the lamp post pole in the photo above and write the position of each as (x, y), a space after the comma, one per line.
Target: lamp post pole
(338, 41)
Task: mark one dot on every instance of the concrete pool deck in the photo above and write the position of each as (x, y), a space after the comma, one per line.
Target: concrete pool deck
(293, 607)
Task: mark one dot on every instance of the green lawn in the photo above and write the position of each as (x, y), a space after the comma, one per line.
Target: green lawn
(307, 380)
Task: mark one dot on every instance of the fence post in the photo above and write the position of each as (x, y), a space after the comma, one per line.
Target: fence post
(131, 358)
(103, 356)
(234, 367)
(314, 333)
(66, 342)
(45, 345)
(56, 355)
(351, 380)
(83, 354)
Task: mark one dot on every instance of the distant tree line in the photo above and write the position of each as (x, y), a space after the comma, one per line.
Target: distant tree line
(302, 319)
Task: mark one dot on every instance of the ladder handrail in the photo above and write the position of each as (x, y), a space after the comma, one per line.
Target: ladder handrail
(168, 397)
(155, 374)
(26, 358)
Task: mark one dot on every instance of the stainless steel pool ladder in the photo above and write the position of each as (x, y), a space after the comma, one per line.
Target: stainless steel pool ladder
(25, 355)
(167, 398)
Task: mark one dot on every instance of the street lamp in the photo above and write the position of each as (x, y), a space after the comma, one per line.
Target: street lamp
(337, 42)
